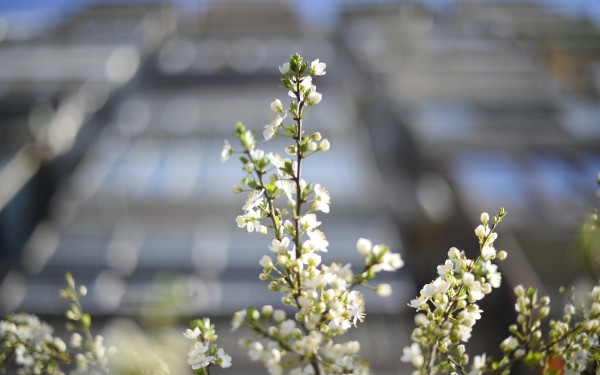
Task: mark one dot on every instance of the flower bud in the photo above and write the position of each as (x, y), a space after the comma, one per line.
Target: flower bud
(486, 288)
(320, 307)
(453, 253)
(253, 315)
(384, 290)
(282, 259)
(267, 310)
(273, 286)
(364, 246)
(314, 97)
(266, 261)
(484, 217)
(569, 309)
(519, 290)
(289, 226)
(420, 319)
(324, 145)
(278, 316)
(76, 340)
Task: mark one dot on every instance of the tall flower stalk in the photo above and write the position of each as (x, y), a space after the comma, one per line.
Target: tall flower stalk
(281, 204)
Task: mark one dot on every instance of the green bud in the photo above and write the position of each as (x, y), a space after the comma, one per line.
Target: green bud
(70, 280)
(86, 320)
(239, 128)
(253, 315)
(267, 310)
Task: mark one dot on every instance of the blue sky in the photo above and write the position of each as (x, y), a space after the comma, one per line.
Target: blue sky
(317, 10)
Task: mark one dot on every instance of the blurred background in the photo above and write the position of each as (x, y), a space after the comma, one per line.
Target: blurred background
(113, 114)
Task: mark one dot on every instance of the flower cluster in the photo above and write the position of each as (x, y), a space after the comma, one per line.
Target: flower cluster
(324, 296)
(572, 340)
(447, 312)
(91, 356)
(37, 351)
(448, 307)
(202, 353)
(35, 348)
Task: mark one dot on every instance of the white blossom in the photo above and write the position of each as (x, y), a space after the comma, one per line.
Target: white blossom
(446, 268)
(76, 340)
(269, 131)
(223, 358)
(237, 320)
(478, 365)
(280, 246)
(509, 344)
(316, 242)
(309, 222)
(255, 199)
(390, 262)
(322, 199)
(317, 68)
(225, 151)
(285, 68)
(255, 351)
(197, 357)
(314, 97)
(412, 354)
(488, 252)
(324, 145)
(276, 106)
(192, 334)
(437, 286)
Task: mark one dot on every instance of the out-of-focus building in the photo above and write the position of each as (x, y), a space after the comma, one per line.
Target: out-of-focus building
(484, 118)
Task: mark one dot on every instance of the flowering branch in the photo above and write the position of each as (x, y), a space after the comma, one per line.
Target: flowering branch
(447, 305)
(325, 297)
(203, 354)
(37, 351)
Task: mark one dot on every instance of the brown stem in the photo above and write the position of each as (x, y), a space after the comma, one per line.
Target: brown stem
(270, 208)
(315, 365)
